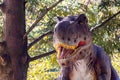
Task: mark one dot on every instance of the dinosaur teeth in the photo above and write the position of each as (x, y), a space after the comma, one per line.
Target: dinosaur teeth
(65, 53)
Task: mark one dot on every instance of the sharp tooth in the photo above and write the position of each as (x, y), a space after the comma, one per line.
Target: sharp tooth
(58, 52)
(64, 53)
(65, 46)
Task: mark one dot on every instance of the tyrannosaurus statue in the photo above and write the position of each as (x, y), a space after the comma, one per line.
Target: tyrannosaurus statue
(78, 57)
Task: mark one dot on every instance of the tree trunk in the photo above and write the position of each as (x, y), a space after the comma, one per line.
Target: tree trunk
(13, 32)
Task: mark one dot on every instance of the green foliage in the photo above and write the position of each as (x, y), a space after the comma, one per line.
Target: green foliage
(43, 69)
(116, 62)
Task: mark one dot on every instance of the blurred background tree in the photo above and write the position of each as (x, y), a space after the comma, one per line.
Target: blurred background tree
(106, 35)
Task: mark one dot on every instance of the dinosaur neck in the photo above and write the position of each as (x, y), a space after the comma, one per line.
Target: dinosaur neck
(84, 67)
(88, 58)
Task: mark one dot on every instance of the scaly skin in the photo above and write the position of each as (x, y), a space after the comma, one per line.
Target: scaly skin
(78, 57)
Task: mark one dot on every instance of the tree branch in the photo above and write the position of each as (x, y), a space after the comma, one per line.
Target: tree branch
(98, 26)
(42, 55)
(39, 38)
(41, 16)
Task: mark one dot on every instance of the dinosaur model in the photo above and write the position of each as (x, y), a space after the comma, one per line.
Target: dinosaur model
(77, 56)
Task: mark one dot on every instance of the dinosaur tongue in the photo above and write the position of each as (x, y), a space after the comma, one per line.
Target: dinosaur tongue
(64, 53)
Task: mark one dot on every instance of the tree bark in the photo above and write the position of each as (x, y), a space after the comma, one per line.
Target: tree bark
(13, 32)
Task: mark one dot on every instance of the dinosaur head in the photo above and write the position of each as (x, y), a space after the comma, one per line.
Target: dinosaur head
(70, 35)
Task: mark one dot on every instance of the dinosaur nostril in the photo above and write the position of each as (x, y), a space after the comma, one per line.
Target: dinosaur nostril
(63, 38)
(68, 39)
(75, 40)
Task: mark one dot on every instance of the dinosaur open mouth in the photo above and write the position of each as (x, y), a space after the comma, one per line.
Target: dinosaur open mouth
(66, 51)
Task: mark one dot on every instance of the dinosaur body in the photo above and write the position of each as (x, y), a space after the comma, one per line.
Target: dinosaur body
(78, 57)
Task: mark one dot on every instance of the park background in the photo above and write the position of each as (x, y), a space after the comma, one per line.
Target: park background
(104, 22)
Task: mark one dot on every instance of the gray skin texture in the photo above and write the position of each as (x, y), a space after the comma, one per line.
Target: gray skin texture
(70, 31)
